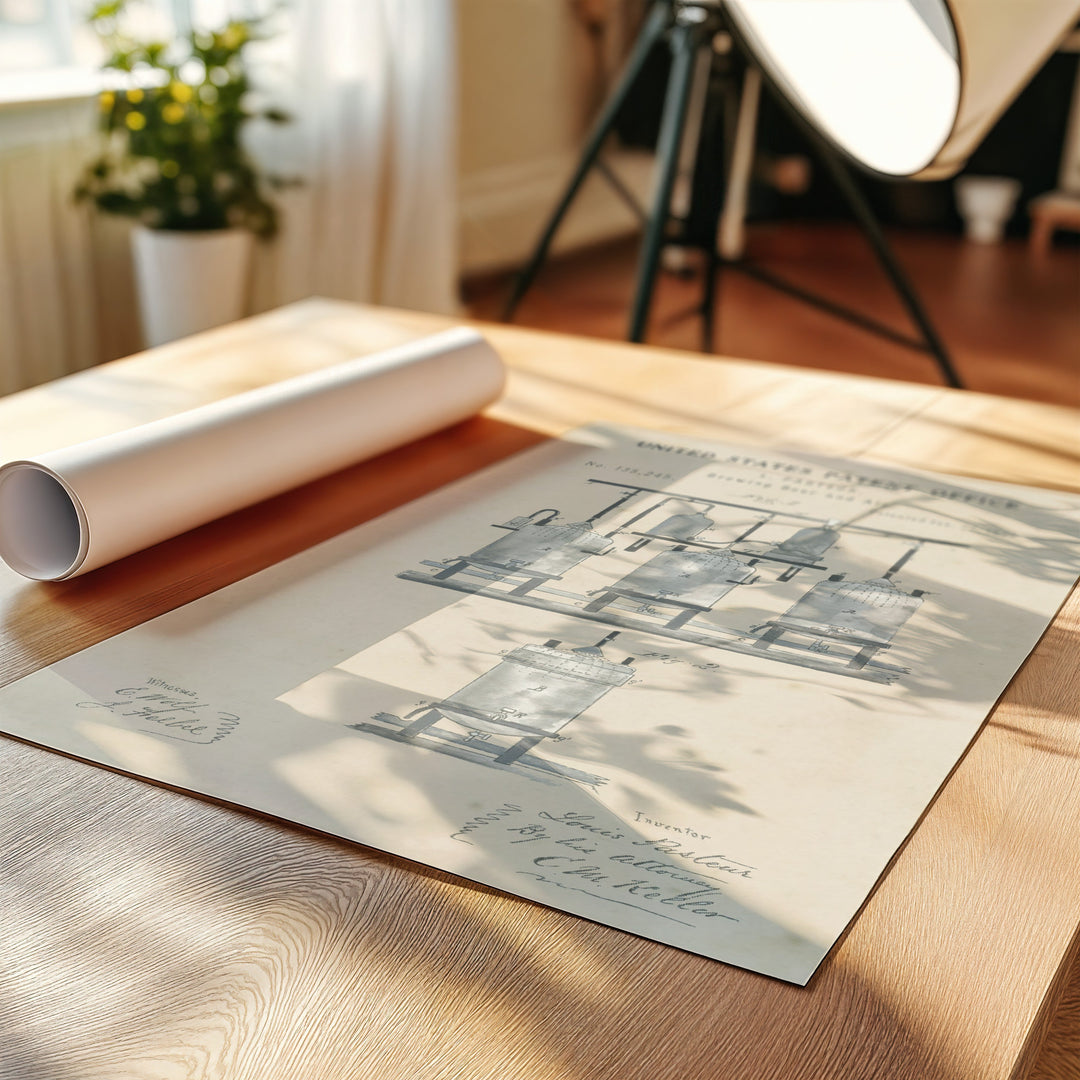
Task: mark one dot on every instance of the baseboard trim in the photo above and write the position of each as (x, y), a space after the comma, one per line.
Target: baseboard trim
(503, 209)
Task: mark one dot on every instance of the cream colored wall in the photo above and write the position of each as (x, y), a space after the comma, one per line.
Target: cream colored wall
(523, 80)
(525, 97)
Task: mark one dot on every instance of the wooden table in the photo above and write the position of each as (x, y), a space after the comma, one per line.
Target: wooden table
(145, 933)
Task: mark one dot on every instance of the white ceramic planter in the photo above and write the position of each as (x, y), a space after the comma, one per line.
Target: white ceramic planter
(189, 281)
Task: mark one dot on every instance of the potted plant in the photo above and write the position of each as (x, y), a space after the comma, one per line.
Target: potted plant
(172, 158)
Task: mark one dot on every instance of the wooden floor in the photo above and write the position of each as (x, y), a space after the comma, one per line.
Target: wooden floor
(1010, 320)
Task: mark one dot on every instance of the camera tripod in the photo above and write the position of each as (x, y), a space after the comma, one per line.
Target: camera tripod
(690, 27)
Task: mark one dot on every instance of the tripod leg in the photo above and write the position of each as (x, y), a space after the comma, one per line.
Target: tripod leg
(694, 131)
(730, 235)
(869, 224)
(708, 301)
(729, 197)
(652, 31)
(686, 38)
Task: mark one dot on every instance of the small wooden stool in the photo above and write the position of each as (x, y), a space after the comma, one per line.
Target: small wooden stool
(1049, 212)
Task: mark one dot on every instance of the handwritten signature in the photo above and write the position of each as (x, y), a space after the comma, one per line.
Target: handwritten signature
(173, 715)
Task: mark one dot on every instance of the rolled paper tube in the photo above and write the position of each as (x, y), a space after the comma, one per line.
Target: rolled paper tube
(69, 511)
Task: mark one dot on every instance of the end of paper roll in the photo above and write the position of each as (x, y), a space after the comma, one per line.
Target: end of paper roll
(43, 531)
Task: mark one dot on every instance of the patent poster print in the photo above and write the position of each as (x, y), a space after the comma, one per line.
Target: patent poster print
(695, 692)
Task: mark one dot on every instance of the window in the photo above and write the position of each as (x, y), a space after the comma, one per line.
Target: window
(36, 34)
(47, 51)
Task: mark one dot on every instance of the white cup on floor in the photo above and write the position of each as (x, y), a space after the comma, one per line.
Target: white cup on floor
(986, 203)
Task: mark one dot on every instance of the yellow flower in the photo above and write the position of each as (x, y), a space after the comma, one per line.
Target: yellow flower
(233, 36)
(172, 113)
(135, 96)
(135, 121)
(181, 91)
(106, 100)
(170, 168)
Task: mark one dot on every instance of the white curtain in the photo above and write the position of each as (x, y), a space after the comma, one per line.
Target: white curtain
(49, 322)
(372, 88)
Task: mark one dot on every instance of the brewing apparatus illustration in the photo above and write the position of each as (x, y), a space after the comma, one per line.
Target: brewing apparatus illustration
(535, 548)
(684, 526)
(802, 550)
(690, 581)
(530, 695)
(866, 614)
(838, 627)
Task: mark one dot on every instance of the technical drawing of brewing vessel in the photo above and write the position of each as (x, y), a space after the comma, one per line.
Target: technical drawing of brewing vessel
(864, 613)
(676, 527)
(536, 549)
(542, 550)
(682, 526)
(807, 545)
(532, 693)
(692, 581)
(803, 549)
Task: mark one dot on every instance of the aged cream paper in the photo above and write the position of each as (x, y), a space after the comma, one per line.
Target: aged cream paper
(695, 692)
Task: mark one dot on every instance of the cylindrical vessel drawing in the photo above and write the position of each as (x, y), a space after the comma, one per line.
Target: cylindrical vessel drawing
(695, 578)
(805, 546)
(536, 689)
(682, 526)
(866, 611)
(542, 550)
